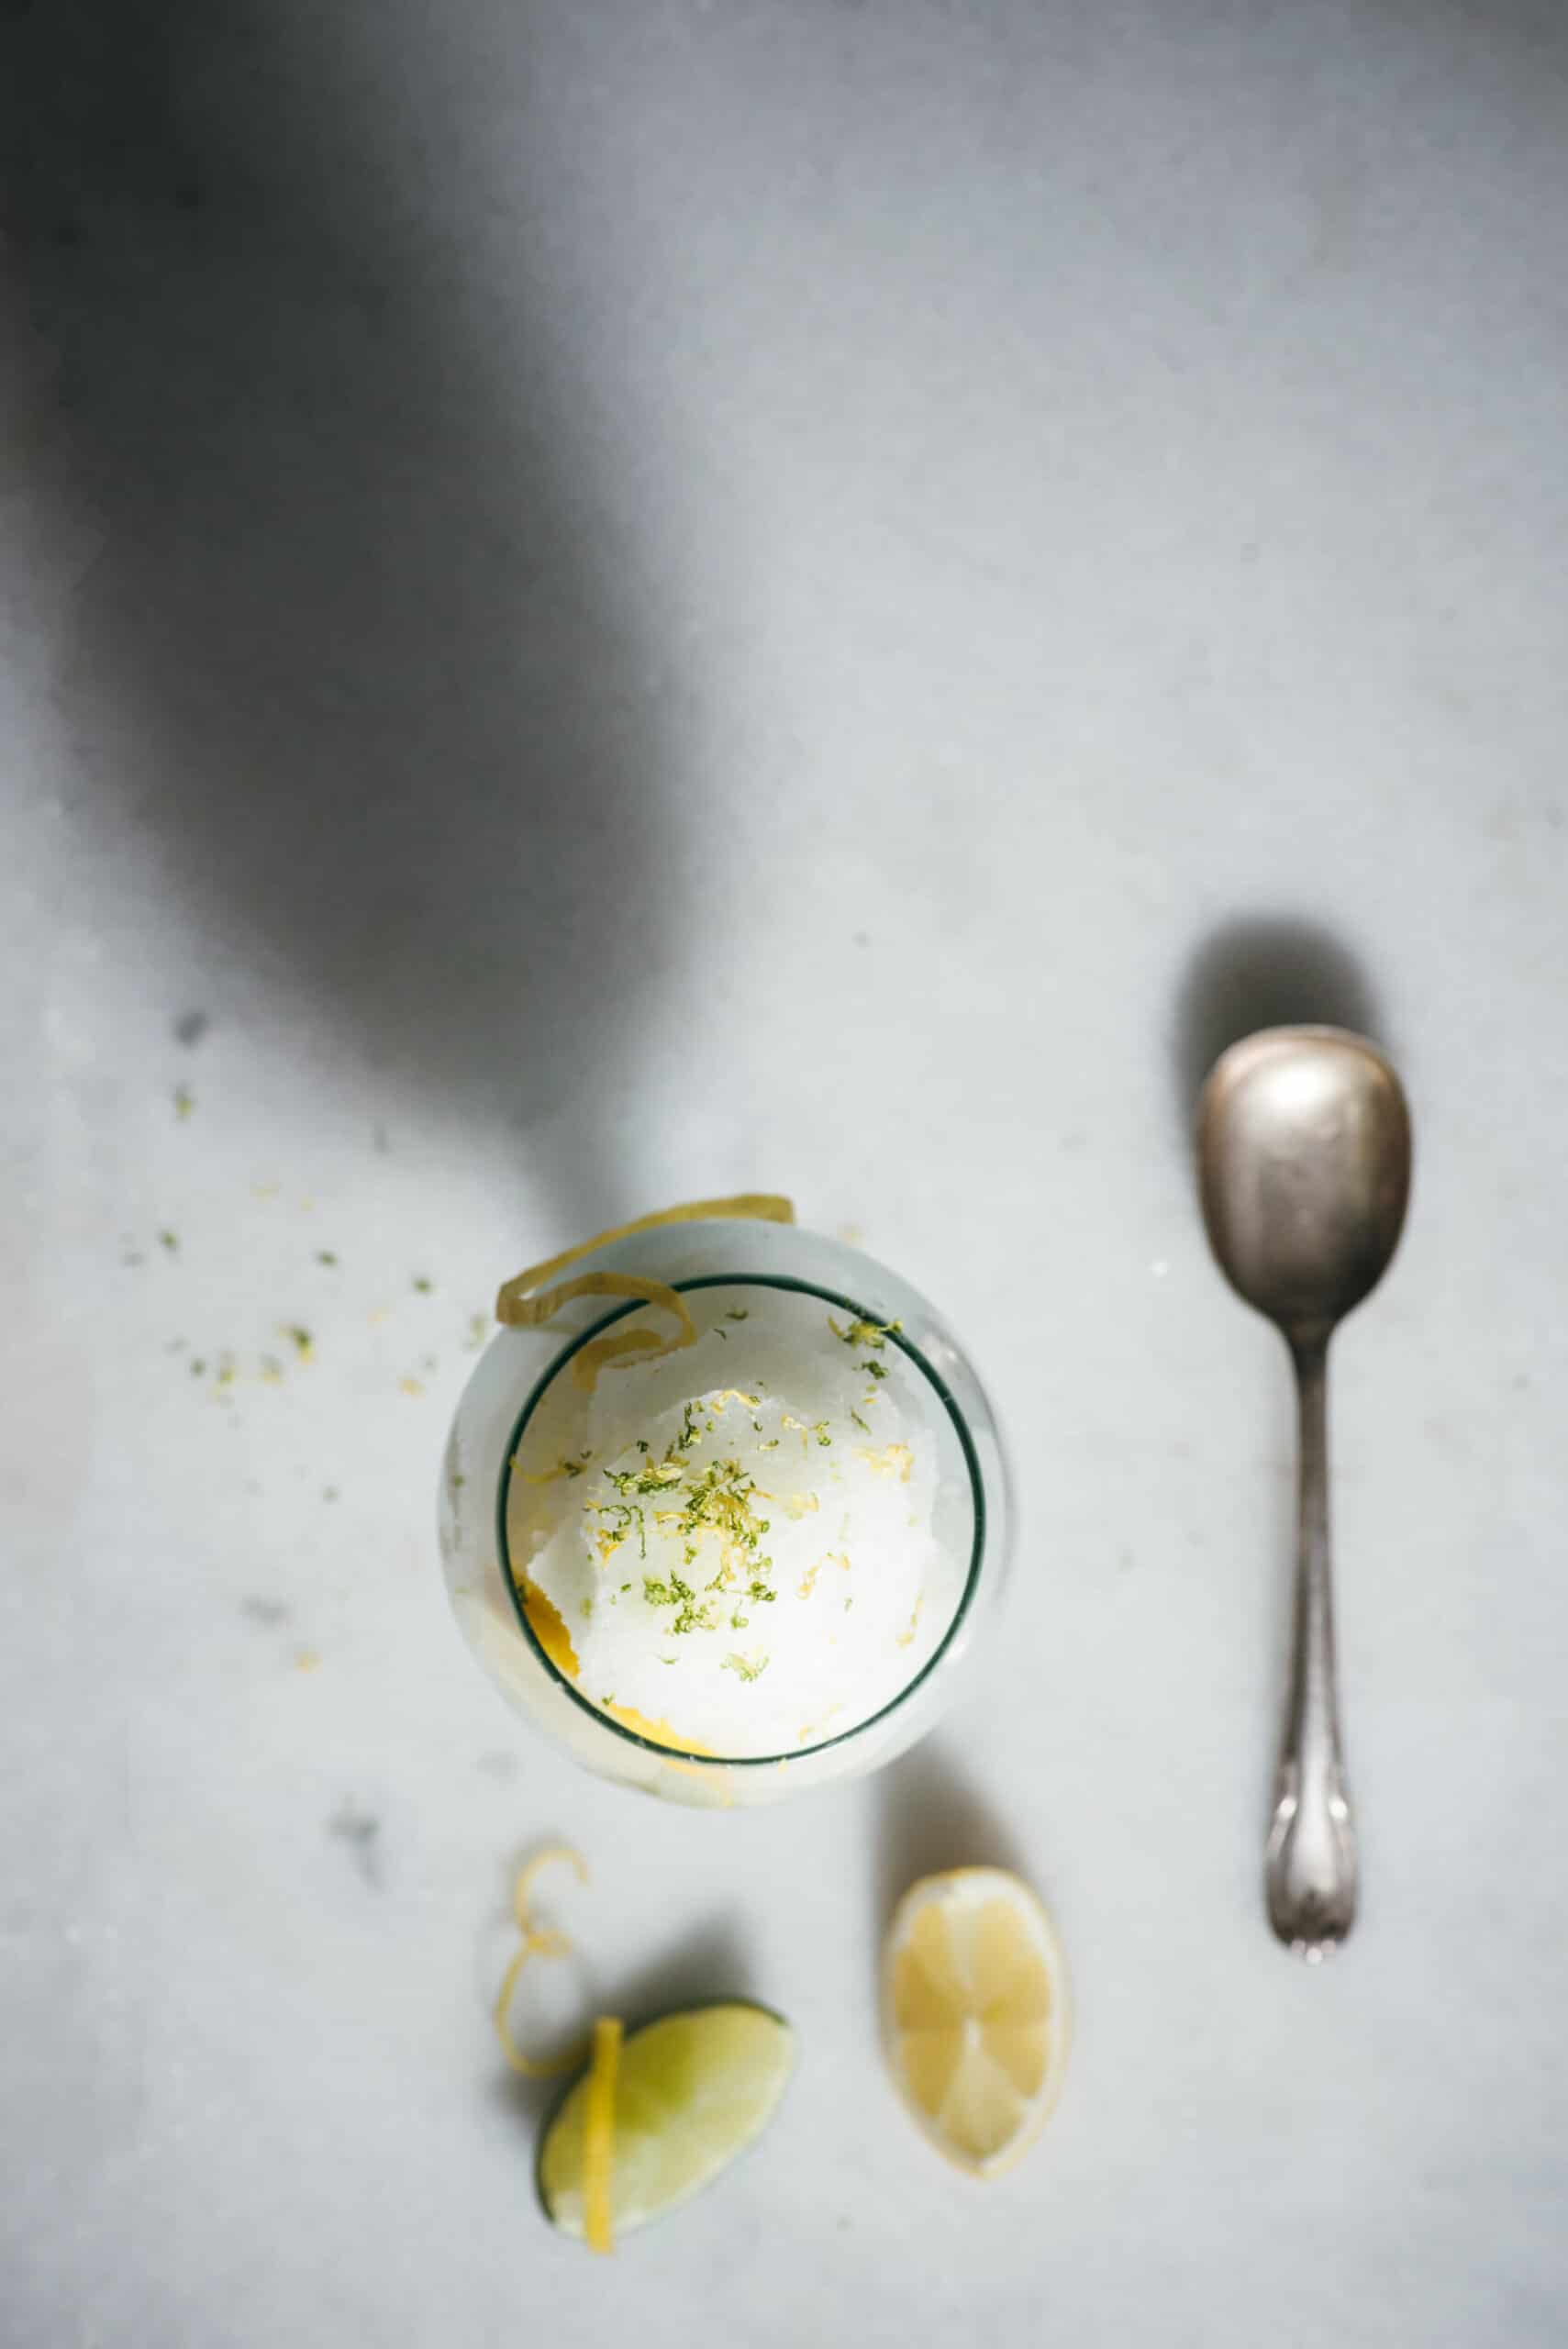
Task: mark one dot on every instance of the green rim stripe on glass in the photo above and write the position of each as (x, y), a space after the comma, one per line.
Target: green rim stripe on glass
(977, 1495)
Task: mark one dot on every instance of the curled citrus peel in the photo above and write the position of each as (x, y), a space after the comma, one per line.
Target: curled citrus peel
(537, 1941)
(526, 1302)
(599, 2135)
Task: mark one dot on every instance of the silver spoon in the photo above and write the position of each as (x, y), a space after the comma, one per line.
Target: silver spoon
(1304, 1164)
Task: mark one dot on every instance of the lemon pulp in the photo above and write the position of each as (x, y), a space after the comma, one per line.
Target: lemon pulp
(975, 2014)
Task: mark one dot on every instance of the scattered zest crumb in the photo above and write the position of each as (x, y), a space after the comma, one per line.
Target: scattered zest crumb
(411, 1387)
(327, 1256)
(307, 1660)
(422, 1286)
(184, 1101)
(301, 1340)
(874, 1335)
(563, 1467)
(747, 1667)
(170, 1240)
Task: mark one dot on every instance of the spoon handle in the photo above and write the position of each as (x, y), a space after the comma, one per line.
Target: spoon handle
(1310, 1871)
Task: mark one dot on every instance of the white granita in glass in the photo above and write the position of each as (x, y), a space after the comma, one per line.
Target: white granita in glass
(752, 1544)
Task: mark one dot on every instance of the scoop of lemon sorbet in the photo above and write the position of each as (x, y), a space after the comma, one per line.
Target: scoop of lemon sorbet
(752, 1544)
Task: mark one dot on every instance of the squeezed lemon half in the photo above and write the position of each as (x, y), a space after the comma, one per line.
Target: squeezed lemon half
(975, 2014)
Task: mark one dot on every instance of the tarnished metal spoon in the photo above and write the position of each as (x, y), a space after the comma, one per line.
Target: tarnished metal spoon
(1304, 1163)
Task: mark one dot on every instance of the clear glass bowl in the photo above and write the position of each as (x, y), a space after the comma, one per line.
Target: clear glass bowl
(517, 1367)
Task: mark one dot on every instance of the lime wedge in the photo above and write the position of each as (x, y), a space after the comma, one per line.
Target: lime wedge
(692, 2091)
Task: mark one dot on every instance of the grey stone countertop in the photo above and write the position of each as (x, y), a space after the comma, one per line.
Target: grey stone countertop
(614, 602)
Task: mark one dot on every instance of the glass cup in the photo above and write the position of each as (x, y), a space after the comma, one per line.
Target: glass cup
(478, 1507)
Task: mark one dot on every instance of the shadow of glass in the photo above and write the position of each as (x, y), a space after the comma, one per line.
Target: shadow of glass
(1263, 972)
(932, 1816)
(357, 675)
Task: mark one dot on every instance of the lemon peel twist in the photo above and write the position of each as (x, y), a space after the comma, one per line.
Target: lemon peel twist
(526, 1302)
(538, 1940)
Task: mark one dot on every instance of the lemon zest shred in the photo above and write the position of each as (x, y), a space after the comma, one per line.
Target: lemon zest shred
(525, 1303)
(655, 1733)
(536, 1941)
(549, 1627)
(563, 1467)
(893, 1460)
(599, 2135)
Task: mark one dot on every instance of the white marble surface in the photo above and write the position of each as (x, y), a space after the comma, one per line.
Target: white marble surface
(634, 599)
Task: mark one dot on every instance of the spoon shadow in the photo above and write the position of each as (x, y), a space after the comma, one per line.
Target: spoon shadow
(1264, 970)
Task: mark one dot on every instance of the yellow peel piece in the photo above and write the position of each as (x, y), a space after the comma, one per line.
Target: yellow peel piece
(536, 1941)
(656, 1732)
(522, 1311)
(549, 1628)
(526, 1302)
(599, 2135)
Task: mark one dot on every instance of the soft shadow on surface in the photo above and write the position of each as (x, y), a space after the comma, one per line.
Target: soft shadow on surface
(356, 673)
(710, 1963)
(932, 1816)
(1263, 972)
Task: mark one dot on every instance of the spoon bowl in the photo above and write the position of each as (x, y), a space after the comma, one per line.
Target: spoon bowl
(1303, 1158)
(1304, 1169)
